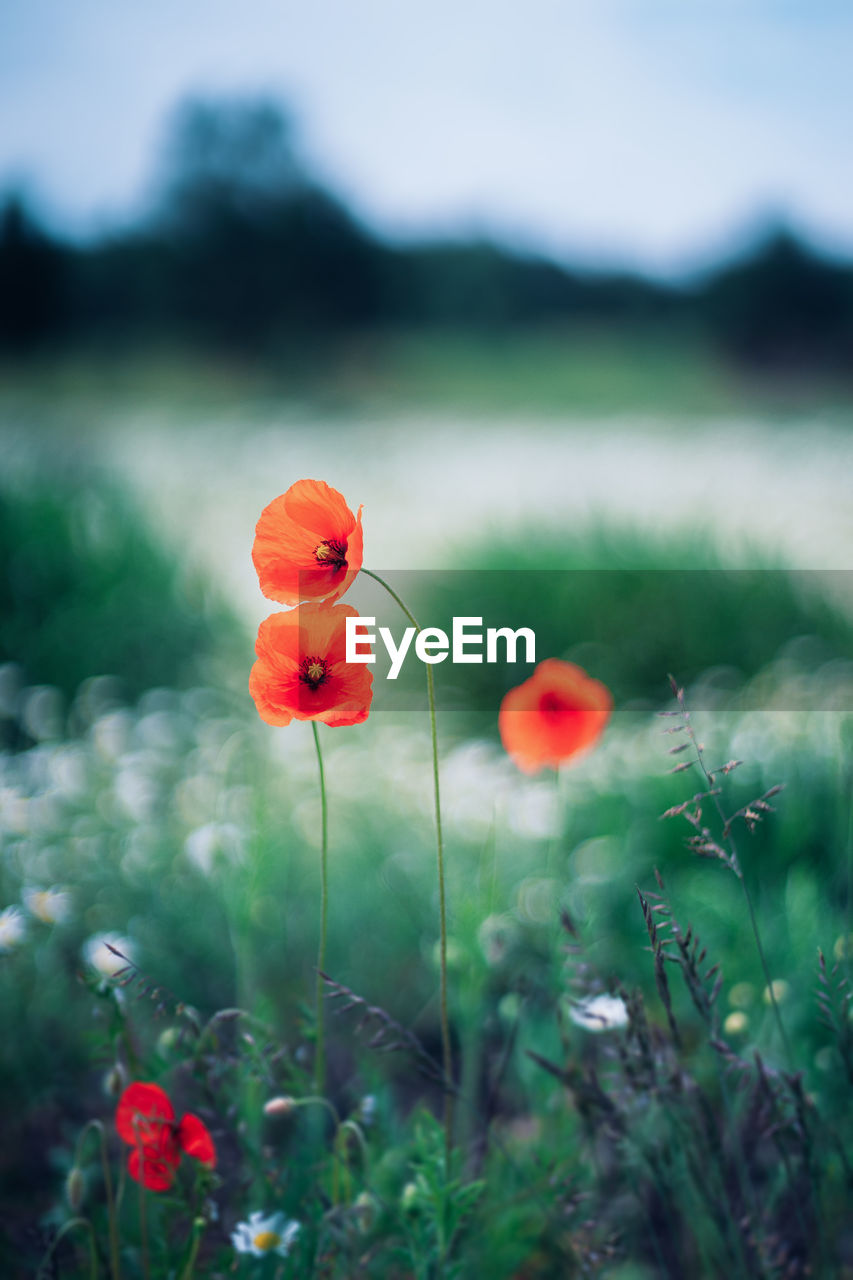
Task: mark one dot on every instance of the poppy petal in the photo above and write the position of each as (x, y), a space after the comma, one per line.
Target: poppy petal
(556, 715)
(143, 1113)
(194, 1138)
(355, 557)
(155, 1170)
(317, 506)
(287, 537)
(270, 695)
(286, 644)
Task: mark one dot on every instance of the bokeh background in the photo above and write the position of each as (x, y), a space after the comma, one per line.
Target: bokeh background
(550, 287)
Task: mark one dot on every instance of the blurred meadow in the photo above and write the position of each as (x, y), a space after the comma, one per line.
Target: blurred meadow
(651, 1040)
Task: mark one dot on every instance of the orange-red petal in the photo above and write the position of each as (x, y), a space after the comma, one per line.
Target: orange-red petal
(317, 506)
(285, 642)
(194, 1138)
(556, 715)
(288, 534)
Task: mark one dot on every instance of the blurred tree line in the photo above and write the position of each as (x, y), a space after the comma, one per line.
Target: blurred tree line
(245, 251)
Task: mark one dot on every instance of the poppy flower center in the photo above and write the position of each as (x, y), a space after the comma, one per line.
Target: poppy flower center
(551, 707)
(266, 1240)
(314, 672)
(331, 553)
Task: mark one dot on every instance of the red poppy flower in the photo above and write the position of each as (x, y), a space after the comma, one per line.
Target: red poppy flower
(557, 714)
(145, 1120)
(308, 544)
(302, 672)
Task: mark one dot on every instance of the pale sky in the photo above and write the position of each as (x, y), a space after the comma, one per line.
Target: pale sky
(644, 133)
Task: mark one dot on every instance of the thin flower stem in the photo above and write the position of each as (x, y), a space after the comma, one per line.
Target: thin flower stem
(112, 1211)
(143, 1230)
(317, 1101)
(320, 1056)
(350, 1126)
(767, 978)
(557, 832)
(112, 1214)
(189, 1269)
(63, 1231)
(442, 901)
(848, 931)
(143, 1220)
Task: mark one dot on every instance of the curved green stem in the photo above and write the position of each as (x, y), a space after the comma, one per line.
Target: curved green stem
(318, 1101)
(442, 901)
(112, 1206)
(64, 1230)
(320, 1055)
(344, 1130)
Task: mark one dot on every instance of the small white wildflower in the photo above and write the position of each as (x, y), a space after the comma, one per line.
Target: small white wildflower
(51, 906)
(262, 1236)
(455, 954)
(736, 1023)
(599, 1013)
(742, 995)
(214, 841)
(13, 928)
(777, 990)
(367, 1109)
(97, 953)
(14, 812)
(496, 936)
(842, 948)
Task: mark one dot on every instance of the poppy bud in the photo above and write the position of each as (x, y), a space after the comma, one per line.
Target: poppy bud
(168, 1040)
(114, 1080)
(75, 1188)
(366, 1208)
(410, 1198)
(281, 1106)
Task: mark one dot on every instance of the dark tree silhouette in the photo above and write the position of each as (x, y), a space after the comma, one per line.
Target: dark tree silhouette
(246, 251)
(33, 280)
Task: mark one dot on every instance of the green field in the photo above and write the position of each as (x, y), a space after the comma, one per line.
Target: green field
(556, 370)
(706, 1131)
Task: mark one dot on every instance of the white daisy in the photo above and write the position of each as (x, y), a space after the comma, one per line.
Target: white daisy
(262, 1236)
(599, 1013)
(97, 953)
(51, 906)
(13, 927)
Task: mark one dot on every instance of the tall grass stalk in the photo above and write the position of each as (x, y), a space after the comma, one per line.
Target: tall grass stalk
(447, 1055)
(735, 865)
